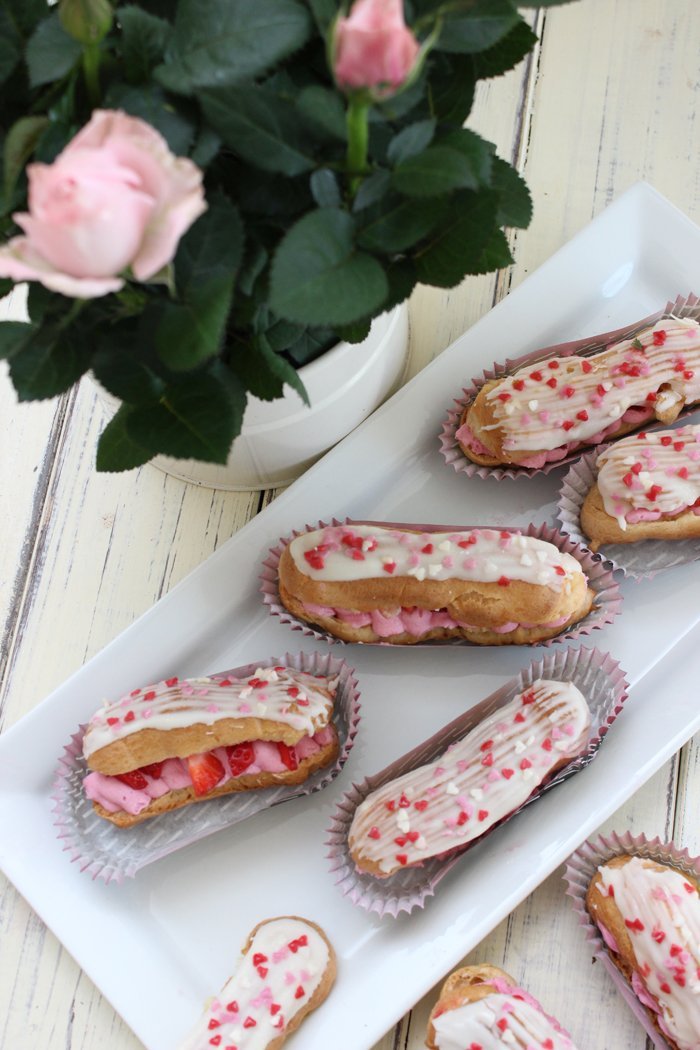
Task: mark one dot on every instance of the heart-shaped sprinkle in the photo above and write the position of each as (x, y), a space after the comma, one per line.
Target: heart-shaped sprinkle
(300, 993)
(483, 814)
(374, 832)
(250, 1022)
(259, 958)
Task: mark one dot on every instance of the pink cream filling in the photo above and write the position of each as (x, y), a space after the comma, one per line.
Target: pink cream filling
(413, 621)
(115, 796)
(641, 514)
(608, 938)
(635, 416)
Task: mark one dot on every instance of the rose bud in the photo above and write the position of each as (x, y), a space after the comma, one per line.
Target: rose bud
(115, 198)
(373, 48)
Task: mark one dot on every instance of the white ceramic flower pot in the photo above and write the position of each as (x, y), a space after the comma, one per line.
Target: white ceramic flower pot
(281, 438)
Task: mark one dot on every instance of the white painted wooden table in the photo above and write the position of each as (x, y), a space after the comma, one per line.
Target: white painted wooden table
(610, 96)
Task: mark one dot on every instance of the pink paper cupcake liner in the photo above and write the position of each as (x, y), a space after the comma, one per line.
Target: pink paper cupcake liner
(113, 854)
(601, 681)
(580, 869)
(607, 603)
(682, 306)
(639, 560)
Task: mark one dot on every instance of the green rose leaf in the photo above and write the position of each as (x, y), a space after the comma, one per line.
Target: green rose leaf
(515, 203)
(116, 449)
(480, 27)
(411, 140)
(310, 345)
(225, 41)
(51, 53)
(50, 362)
(263, 371)
(191, 330)
(144, 41)
(195, 419)
(460, 160)
(451, 83)
(13, 336)
(403, 277)
(319, 277)
(494, 255)
(506, 53)
(261, 127)
(397, 224)
(454, 250)
(324, 109)
(119, 364)
(354, 333)
(154, 107)
(325, 188)
(24, 14)
(19, 146)
(372, 189)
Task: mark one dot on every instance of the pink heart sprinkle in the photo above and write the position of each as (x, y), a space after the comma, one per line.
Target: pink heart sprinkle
(462, 765)
(280, 955)
(289, 978)
(244, 708)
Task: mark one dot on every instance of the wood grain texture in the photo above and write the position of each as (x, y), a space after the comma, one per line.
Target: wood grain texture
(610, 96)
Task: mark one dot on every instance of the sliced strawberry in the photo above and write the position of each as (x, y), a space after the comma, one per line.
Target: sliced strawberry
(205, 770)
(133, 779)
(155, 770)
(288, 756)
(239, 758)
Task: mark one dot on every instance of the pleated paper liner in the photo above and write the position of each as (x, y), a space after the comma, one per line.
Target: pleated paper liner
(606, 606)
(113, 854)
(603, 684)
(681, 307)
(639, 560)
(581, 868)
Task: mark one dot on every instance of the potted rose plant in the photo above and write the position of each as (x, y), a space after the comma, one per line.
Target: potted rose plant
(204, 195)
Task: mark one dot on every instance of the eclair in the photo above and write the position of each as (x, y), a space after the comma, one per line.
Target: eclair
(369, 583)
(648, 488)
(482, 1007)
(286, 970)
(649, 917)
(475, 784)
(541, 413)
(190, 740)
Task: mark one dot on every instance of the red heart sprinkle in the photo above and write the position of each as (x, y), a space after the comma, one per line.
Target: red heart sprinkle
(548, 1045)
(552, 364)
(659, 337)
(665, 988)
(537, 376)
(134, 692)
(683, 472)
(412, 836)
(293, 692)
(582, 415)
(520, 717)
(421, 805)
(518, 384)
(150, 695)
(300, 993)
(483, 814)
(374, 832)
(462, 818)
(547, 744)
(357, 556)
(507, 773)
(688, 374)
(504, 397)
(224, 682)
(586, 367)
(679, 445)
(215, 1040)
(636, 468)
(390, 805)
(568, 391)
(651, 397)
(275, 1008)
(568, 424)
(129, 716)
(688, 888)
(560, 570)
(529, 698)
(389, 566)
(666, 440)
(675, 950)
(600, 390)
(634, 924)
(628, 480)
(112, 721)
(170, 682)
(404, 802)
(214, 1023)
(503, 581)
(487, 760)
(502, 1024)
(259, 958)
(401, 840)
(552, 382)
(525, 763)
(402, 858)
(487, 745)
(232, 1007)
(658, 936)
(250, 1022)
(428, 549)
(262, 971)
(680, 980)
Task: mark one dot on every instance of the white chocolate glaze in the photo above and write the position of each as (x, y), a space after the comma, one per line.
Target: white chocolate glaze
(475, 783)
(661, 911)
(276, 693)
(362, 552)
(574, 399)
(510, 1018)
(276, 977)
(651, 476)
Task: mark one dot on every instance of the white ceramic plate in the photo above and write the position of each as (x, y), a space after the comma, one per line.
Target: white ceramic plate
(184, 917)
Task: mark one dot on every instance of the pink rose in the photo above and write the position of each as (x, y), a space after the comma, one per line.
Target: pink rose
(373, 47)
(116, 197)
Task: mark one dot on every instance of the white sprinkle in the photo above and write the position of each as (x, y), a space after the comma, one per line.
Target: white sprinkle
(451, 788)
(366, 544)
(402, 820)
(629, 460)
(542, 577)
(606, 384)
(541, 555)
(508, 408)
(245, 692)
(533, 405)
(420, 843)
(418, 573)
(615, 411)
(446, 545)
(490, 566)
(525, 559)
(530, 741)
(476, 793)
(561, 745)
(261, 709)
(266, 674)
(519, 747)
(434, 570)
(528, 774)
(507, 1036)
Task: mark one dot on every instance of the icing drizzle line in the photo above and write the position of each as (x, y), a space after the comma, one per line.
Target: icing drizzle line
(508, 1018)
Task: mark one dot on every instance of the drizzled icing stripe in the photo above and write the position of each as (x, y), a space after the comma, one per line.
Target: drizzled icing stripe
(363, 552)
(275, 693)
(651, 476)
(505, 1019)
(274, 980)
(661, 913)
(572, 399)
(475, 783)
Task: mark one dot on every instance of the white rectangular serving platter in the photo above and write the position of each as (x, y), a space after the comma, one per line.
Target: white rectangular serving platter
(184, 917)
